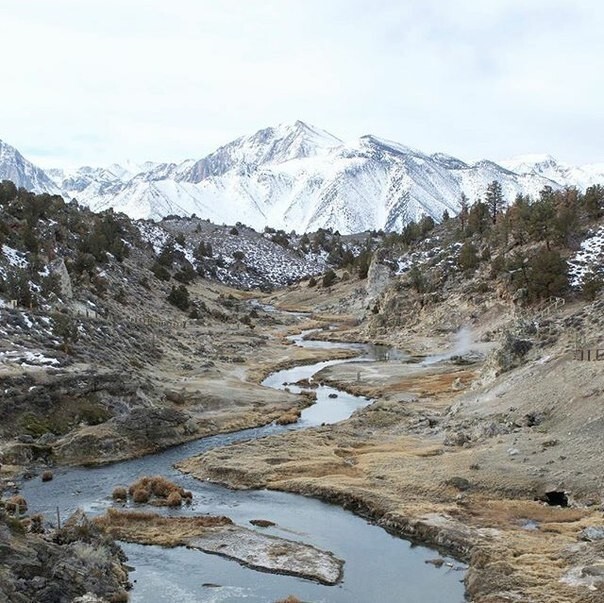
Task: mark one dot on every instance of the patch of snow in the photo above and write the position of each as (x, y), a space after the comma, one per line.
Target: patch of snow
(588, 260)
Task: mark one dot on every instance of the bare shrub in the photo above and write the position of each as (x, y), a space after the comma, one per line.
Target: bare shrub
(174, 499)
(16, 504)
(120, 494)
(141, 496)
(47, 476)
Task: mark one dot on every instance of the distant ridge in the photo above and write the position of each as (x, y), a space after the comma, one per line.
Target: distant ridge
(300, 177)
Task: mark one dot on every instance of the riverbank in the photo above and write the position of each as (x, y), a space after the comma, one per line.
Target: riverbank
(206, 381)
(452, 457)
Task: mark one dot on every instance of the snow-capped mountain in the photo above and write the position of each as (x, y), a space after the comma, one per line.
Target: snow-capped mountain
(302, 178)
(298, 177)
(14, 167)
(562, 174)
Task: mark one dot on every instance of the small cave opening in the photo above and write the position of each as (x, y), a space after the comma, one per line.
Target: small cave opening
(555, 498)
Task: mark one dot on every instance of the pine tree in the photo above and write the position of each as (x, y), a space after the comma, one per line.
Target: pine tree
(463, 211)
(494, 199)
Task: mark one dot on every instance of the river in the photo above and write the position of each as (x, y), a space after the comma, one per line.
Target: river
(378, 566)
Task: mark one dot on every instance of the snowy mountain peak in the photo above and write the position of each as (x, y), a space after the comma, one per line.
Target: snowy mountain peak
(389, 145)
(297, 176)
(269, 146)
(530, 163)
(14, 167)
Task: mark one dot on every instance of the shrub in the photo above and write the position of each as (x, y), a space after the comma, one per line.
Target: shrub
(329, 278)
(120, 494)
(312, 281)
(141, 496)
(162, 487)
(174, 499)
(36, 523)
(47, 476)
(160, 272)
(16, 504)
(179, 297)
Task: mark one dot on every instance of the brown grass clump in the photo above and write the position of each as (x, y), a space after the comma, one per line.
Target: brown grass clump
(36, 524)
(174, 499)
(47, 476)
(141, 496)
(289, 599)
(120, 494)
(162, 487)
(288, 418)
(16, 504)
(160, 491)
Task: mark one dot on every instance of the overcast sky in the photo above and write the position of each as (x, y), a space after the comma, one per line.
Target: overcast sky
(92, 82)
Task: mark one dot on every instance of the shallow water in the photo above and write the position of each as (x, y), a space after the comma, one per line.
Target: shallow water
(378, 566)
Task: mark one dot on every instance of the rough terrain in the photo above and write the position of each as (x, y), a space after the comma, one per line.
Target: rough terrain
(462, 453)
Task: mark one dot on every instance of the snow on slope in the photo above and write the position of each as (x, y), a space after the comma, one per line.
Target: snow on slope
(263, 261)
(560, 173)
(297, 177)
(589, 260)
(23, 173)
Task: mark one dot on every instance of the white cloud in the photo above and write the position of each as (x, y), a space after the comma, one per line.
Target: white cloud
(91, 82)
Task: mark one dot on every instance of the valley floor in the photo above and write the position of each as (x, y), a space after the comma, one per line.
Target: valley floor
(455, 457)
(450, 453)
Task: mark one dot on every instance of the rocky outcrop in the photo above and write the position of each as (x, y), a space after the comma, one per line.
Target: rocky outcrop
(59, 566)
(58, 268)
(379, 276)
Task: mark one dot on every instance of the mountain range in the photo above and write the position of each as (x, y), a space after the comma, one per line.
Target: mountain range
(299, 177)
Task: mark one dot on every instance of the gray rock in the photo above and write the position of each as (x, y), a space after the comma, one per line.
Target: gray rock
(592, 533)
(593, 570)
(58, 267)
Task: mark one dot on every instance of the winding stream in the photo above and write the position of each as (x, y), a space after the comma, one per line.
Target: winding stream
(378, 566)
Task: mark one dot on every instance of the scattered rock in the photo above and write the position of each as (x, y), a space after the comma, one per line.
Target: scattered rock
(592, 533)
(461, 483)
(262, 523)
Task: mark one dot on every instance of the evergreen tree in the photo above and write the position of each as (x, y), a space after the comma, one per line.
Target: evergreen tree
(594, 201)
(329, 278)
(179, 297)
(548, 274)
(479, 220)
(463, 211)
(468, 257)
(417, 279)
(494, 200)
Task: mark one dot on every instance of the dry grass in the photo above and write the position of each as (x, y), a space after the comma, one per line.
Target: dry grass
(289, 417)
(149, 528)
(141, 496)
(289, 599)
(120, 494)
(156, 489)
(16, 505)
(174, 499)
(506, 513)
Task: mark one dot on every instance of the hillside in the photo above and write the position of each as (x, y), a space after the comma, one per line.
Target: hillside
(484, 435)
